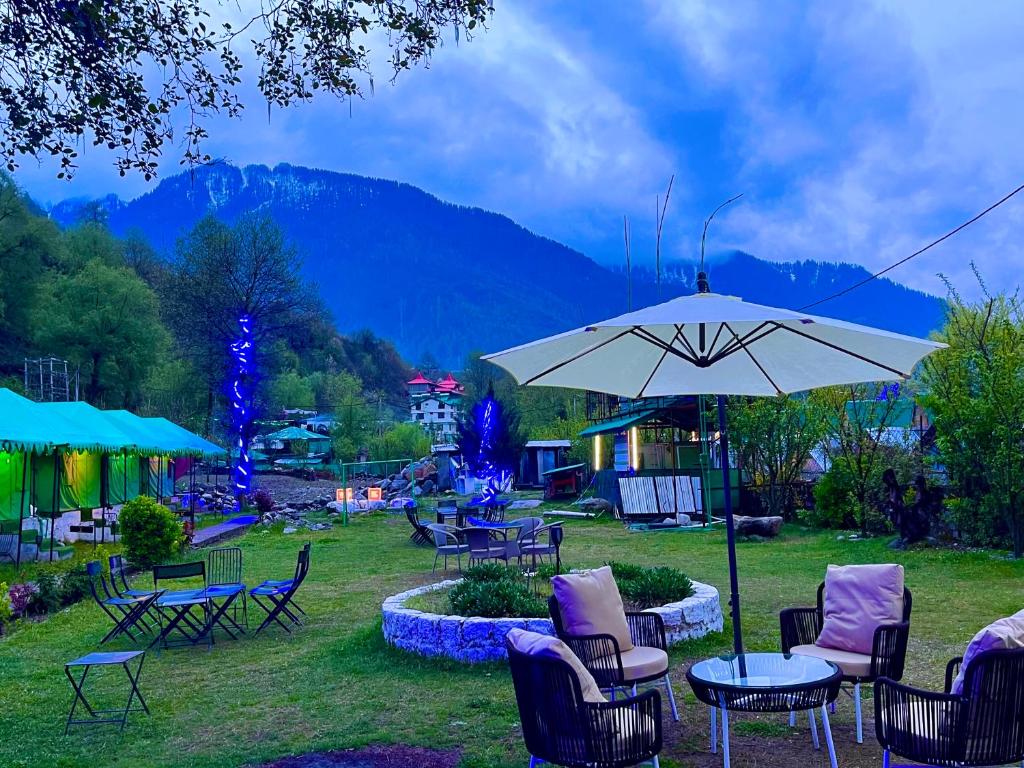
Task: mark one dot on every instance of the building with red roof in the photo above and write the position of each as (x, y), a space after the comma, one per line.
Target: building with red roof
(436, 405)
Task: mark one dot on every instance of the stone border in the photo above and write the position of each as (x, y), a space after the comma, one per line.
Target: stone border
(475, 639)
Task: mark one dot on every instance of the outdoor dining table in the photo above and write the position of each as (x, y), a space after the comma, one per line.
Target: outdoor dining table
(511, 549)
(766, 682)
(176, 606)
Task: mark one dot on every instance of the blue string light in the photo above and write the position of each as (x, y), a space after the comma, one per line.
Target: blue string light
(498, 479)
(241, 403)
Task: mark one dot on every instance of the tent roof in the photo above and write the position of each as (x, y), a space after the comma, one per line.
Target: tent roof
(35, 427)
(294, 433)
(190, 440)
(118, 430)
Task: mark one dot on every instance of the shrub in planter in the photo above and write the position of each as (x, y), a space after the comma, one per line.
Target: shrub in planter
(494, 596)
(644, 587)
(151, 533)
(492, 572)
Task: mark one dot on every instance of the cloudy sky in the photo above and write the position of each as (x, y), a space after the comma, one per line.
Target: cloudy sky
(855, 131)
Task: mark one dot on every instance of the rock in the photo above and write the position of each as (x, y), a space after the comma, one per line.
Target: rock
(768, 527)
(290, 529)
(682, 519)
(428, 486)
(595, 504)
(525, 504)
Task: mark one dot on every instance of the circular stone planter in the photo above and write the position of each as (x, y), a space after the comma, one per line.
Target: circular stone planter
(475, 639)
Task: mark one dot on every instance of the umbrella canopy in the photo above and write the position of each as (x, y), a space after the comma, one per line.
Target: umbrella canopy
(712, 344)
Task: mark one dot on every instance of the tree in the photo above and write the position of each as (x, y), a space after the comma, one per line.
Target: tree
(774, 437)
(290, 390)
(222, 273)
(106, 320)
(859, 421)
(490, 439)
(116, 73)
(402, 441)
(976, 393)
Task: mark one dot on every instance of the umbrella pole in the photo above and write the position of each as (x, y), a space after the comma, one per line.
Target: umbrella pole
(730, 528)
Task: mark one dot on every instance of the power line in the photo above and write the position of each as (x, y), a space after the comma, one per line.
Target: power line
(915, 253)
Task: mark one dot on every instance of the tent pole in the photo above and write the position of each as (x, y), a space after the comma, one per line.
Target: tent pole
(730, 528)
(21, 507)
(55, 512)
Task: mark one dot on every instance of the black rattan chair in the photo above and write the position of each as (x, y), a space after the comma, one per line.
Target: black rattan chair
(983, 726)
(447, 544)
(482, 546)
(601, 655)
(800, 627)
(560, 728)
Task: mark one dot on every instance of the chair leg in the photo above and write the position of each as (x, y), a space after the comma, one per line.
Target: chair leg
(792, 718)
(856, 707)
(655, 763)
(714, 730)
(827, 727)
(535, 761)
(671, 698)
(434, 568)
(885, 759)
(814, 729)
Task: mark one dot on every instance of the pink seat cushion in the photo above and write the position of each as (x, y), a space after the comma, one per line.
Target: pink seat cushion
(857, 599)
(547, 647)
(1003, 633)
(590, 604)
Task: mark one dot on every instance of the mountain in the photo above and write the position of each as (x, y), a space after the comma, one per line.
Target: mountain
(445, 279)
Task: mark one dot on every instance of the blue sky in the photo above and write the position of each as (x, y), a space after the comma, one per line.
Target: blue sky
(856, 131)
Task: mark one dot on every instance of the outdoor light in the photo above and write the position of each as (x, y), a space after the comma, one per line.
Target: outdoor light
(345, 494)
(597, 452)
(634, 448)
(374, 494)
(241, 397)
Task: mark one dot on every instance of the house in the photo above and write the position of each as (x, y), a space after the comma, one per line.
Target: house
(436, 406)
(538, 457)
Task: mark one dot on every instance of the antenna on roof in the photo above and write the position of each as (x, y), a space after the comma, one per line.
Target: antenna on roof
(702, 276)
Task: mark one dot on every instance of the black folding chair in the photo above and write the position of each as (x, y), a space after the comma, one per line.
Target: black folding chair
(277, 598)
(127, 613)
(176, 607)
(224, 586)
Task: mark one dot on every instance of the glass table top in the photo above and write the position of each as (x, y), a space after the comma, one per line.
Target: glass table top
(762, 670)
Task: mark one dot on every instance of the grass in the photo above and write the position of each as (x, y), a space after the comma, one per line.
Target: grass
(336, 685)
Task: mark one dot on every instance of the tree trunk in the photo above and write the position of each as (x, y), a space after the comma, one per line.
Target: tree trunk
(93, 391)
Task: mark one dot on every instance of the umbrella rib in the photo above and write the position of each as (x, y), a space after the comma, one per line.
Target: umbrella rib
(578, 355)
(837, 348)
(664, 354)
(714, 341)
(735, 344)
(650, 338)
(689, 346)
(753, 359)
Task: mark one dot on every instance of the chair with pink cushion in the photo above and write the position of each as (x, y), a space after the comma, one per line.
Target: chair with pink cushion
(620, 649)
(861, 624)
(978, 720)
(566, 720)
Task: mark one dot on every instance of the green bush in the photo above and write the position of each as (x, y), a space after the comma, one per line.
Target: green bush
(151, 533)
(835, 505)
(503, 598)
(644, 587)
(488, 572)
(57, 585)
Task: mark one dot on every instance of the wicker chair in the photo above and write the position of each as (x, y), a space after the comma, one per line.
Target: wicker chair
(984, 726)
(600, 654)
(800, 628)
(560, 728)
(446, 544)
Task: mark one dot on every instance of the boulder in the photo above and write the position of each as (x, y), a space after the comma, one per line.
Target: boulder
(768, 527)
(596, 505)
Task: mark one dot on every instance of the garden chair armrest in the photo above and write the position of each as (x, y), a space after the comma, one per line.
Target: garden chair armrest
(626, 731)
(647, 629)
(925, 724)
(952, 670)
(600, 654)
(889, 650)
(799, 626)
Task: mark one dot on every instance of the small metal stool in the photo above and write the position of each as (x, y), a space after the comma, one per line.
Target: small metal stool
(104, 659)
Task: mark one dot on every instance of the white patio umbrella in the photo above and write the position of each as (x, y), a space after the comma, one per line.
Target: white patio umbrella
(709, 344)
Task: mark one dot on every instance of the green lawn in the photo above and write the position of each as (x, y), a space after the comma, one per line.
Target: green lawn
(335, 684)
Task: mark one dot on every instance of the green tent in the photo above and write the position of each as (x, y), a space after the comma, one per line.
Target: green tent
(183, 441)
(124, 477)
(80, 481)
(12, 479)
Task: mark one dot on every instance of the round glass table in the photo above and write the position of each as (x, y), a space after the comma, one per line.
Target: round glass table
(766, 682)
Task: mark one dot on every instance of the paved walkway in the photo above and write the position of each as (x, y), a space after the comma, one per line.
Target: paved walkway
(234, 526)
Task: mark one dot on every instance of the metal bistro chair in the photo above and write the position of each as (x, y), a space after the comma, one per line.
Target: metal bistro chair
(446, 544)
(119, 579)
(224, 581)
(561, 728)
(420, 534)
(535, 547)
(482, 547)
(982, 726)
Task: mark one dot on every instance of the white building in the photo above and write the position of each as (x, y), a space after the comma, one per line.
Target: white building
(436, 406)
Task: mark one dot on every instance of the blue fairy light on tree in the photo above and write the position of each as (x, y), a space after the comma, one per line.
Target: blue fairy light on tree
(241, 397)
(490, 442)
